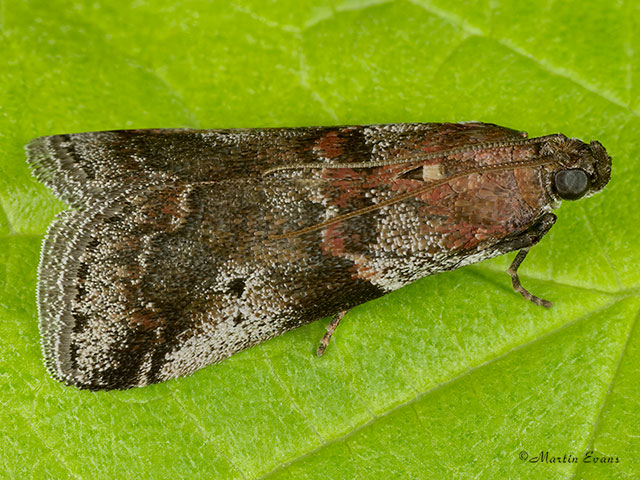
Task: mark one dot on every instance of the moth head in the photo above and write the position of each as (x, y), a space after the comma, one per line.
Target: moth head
(579, 169)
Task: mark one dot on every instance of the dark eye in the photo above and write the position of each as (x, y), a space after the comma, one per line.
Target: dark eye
(571, 184)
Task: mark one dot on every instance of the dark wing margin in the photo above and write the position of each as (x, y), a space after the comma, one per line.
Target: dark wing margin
(69, 239)
(83, 167)
(98, 328)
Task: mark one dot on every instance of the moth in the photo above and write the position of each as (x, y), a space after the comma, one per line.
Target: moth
(183, 247)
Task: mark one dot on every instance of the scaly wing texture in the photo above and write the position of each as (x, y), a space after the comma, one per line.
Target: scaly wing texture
(83, 166)
(156, 274)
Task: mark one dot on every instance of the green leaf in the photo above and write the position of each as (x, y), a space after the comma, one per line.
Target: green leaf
(454, 376)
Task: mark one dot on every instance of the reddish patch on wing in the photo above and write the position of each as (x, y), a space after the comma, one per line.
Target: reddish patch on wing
(145, 319)
(333, 244)
(331, 145)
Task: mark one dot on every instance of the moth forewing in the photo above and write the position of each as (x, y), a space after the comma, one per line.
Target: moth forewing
(186, 246)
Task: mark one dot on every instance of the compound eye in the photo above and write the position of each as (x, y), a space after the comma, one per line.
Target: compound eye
(571, 184)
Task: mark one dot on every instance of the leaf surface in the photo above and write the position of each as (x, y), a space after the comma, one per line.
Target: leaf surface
(454, 376)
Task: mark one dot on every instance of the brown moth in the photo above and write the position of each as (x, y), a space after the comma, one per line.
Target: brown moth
(184, 247)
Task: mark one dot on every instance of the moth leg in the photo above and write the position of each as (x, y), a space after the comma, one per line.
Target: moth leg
(524, 242)
(333, 324)
(517, 286)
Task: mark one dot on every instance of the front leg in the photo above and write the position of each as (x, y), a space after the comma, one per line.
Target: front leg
(524, 242)
(517, 286)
